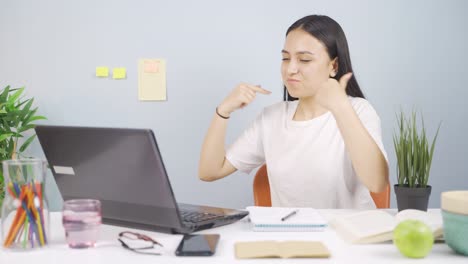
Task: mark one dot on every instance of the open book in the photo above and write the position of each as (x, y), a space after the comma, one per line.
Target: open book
(285, 249)
(377, 226)
(285, 219)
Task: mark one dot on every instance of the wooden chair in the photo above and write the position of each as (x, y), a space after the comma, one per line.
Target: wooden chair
(262, 196)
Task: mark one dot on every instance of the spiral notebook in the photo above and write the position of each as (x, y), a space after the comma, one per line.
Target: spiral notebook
(297, 219)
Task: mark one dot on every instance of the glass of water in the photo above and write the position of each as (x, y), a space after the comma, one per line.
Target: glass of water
(81, 220)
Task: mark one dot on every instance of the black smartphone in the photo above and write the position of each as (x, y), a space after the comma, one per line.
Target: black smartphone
(197, 245)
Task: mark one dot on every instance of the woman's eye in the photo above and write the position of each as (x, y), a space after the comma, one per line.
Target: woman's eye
(305, 61)
(285, 59)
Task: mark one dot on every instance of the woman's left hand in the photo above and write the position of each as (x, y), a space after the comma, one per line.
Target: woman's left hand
(333, 93)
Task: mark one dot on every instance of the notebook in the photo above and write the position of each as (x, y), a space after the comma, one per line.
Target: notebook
(124, 169)
(377, 226)
(270, 219)
(281, 249)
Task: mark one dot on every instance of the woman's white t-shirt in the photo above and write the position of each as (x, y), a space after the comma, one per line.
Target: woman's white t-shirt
(307, 161)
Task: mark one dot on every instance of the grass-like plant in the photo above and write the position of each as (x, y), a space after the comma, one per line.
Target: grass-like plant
(414, 154)
(17, 115)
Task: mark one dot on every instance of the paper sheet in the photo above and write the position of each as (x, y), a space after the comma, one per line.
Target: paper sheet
(152, 80)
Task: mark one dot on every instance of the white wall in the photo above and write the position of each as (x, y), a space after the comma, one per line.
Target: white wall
(405, 53)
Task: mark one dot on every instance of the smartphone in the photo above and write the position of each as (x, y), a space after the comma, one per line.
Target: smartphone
(197, 245)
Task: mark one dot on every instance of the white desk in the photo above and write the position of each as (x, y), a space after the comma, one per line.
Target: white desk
(109, 250)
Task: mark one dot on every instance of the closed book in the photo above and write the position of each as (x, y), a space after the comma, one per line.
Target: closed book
(281, 249)
(285, 219)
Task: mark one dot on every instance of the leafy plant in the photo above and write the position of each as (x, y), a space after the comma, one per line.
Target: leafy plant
(16, 117)
(414, 154)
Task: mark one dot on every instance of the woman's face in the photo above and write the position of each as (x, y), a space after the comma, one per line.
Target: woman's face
(306, 64)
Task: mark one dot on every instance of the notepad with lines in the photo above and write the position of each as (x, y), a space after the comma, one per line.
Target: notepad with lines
(269, 219)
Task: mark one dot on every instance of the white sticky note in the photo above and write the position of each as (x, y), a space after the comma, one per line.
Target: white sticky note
(64, 170)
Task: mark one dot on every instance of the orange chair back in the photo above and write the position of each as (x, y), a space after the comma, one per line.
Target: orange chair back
(382, 199)
(261, 188)
(262, 195)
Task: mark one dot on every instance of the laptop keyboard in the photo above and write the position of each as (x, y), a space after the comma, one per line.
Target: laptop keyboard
(195, 217)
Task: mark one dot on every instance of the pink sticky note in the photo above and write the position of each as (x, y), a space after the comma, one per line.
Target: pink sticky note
(151, 66)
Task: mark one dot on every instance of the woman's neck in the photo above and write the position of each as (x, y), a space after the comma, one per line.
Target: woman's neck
(308, 109)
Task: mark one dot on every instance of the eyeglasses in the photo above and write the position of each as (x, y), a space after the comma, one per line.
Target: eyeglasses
(139, 249)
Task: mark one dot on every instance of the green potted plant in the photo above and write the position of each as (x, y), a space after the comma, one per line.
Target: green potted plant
(414, 158)
(17, 115)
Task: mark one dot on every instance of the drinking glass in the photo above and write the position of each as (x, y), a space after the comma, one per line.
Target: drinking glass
(81, 220)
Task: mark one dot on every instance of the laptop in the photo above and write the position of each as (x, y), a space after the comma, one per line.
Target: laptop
(123, 168)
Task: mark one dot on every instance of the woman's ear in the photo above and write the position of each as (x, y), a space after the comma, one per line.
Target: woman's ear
(333, 67)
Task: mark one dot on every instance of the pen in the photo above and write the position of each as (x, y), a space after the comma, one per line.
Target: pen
(289, 215)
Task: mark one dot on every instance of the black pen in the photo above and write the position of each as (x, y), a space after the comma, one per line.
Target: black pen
(289, 215)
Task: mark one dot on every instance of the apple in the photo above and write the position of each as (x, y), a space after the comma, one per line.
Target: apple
(413, 238)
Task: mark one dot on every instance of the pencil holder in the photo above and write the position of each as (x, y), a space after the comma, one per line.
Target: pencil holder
(25, 215)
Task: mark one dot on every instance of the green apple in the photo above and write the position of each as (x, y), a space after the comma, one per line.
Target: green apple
(413, 238)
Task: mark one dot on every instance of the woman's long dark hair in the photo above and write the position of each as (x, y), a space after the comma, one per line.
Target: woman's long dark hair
(330, 33)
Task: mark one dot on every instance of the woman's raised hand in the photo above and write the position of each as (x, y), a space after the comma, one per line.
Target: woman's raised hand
(241, 96)
(332, 92)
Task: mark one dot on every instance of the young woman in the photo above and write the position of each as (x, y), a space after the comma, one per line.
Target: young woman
(322, 145)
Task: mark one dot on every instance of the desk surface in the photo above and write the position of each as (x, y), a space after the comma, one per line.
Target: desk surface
(109, 250)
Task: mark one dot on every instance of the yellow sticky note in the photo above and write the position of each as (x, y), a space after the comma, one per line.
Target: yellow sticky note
(152, 80)
(119, 73)
(102, 71)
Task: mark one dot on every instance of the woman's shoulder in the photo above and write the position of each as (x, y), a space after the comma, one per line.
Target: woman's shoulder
(360, 104)
(363, 108)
